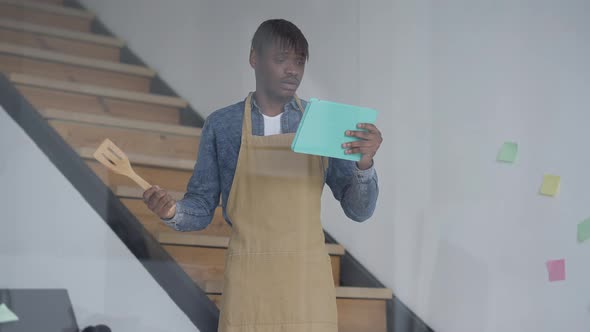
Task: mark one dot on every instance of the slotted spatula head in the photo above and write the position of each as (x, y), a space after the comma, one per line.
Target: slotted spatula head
(117, 161)
(113, 158)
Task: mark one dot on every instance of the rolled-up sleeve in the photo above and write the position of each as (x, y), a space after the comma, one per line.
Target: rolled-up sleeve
(196, 209)
(356, 190)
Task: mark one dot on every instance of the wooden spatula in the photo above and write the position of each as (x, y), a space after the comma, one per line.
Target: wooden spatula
(114, 159)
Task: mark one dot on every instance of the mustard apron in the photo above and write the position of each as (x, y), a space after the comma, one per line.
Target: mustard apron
(278, 275)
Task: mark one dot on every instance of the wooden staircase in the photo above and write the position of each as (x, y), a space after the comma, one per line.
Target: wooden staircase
(75, 79)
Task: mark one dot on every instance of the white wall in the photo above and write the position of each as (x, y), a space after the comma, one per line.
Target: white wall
(461, 239)
(201, 47)
(51, 238)
(509, 71)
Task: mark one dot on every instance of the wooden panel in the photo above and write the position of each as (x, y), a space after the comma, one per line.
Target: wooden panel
(201, 264)
(364, 293)
(137, 193)
(73, 73)
(31, 15)
(93, 90)
(129, 140)
(57, 57)
(199, 240)
(74, 102)
(218, 226)
(205, 264)
(61, 33)
(335, 269)
(66, 46)
(146, 160)
(53, 2)
(165, 178)
(105, 120)
(354, 315)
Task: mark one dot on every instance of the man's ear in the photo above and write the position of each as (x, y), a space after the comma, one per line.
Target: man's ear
(252, 58)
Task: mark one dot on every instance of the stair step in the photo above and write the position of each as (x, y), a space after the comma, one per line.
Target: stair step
(144, 145)
(137, 193)
(64, 67)
(62, 33)
(198, 240)
(216, 287)
(134, 192)
(60, 40)
(47, 14)
(155, 226)
(73, 102)
(109, 121)
(205, 263)
(169, 178)
(146, 160)
(93, 90)
(354, 315)
(359, 309)
(52, 2)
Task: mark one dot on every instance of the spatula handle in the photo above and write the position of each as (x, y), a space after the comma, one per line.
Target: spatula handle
(141, 182)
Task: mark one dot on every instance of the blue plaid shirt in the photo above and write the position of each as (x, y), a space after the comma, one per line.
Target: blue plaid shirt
(219, 146)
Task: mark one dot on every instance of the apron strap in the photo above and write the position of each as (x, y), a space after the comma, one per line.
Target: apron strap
(247, 124)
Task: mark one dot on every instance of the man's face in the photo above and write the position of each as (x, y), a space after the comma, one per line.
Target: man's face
(279, 71)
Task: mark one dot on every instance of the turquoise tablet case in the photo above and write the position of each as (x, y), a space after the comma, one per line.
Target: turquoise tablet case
(323, 125)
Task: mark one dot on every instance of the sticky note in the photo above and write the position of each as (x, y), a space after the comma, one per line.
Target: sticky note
(6, 315)
(550, 185)
(508, 152)
(584, 230)
(556, 269)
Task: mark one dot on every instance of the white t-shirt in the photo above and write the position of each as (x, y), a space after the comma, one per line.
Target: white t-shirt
(272, 124)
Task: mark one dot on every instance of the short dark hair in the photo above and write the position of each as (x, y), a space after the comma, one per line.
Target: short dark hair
(282, 31)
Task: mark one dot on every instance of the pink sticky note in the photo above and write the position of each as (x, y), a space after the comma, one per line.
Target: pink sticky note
(556, 269)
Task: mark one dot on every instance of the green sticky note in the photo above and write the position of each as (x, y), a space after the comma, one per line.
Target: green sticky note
(6, 315)
(584, 230)
(508, 152)
(550, 185)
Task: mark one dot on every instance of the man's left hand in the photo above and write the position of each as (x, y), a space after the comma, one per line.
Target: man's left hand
(368, 144)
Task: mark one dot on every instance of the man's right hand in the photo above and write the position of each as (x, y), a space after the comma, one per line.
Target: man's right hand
(160, 202)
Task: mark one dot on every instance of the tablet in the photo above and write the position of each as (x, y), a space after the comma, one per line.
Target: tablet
(323, 125)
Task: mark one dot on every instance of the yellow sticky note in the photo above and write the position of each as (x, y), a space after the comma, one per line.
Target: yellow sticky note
(550, 185)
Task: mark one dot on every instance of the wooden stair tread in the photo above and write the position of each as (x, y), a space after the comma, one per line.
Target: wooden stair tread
(205, 264)
(218, 226)
(52, 56)
(53, 2)
(49, 8)
(60, 33)
(141, 159)
(178, 238)
(110, 121)
(94, 90)
(136, 192)
(169, 178)
(132, 141)
(216, 287)
(364, 293)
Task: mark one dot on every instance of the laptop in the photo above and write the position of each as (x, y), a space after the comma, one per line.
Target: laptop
(47, 310)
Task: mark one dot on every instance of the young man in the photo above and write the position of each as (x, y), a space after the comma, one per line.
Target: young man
(278, 276)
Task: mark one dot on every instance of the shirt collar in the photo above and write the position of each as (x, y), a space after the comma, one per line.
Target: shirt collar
(290, 106)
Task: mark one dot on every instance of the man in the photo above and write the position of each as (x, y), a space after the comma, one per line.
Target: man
(277, 273)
